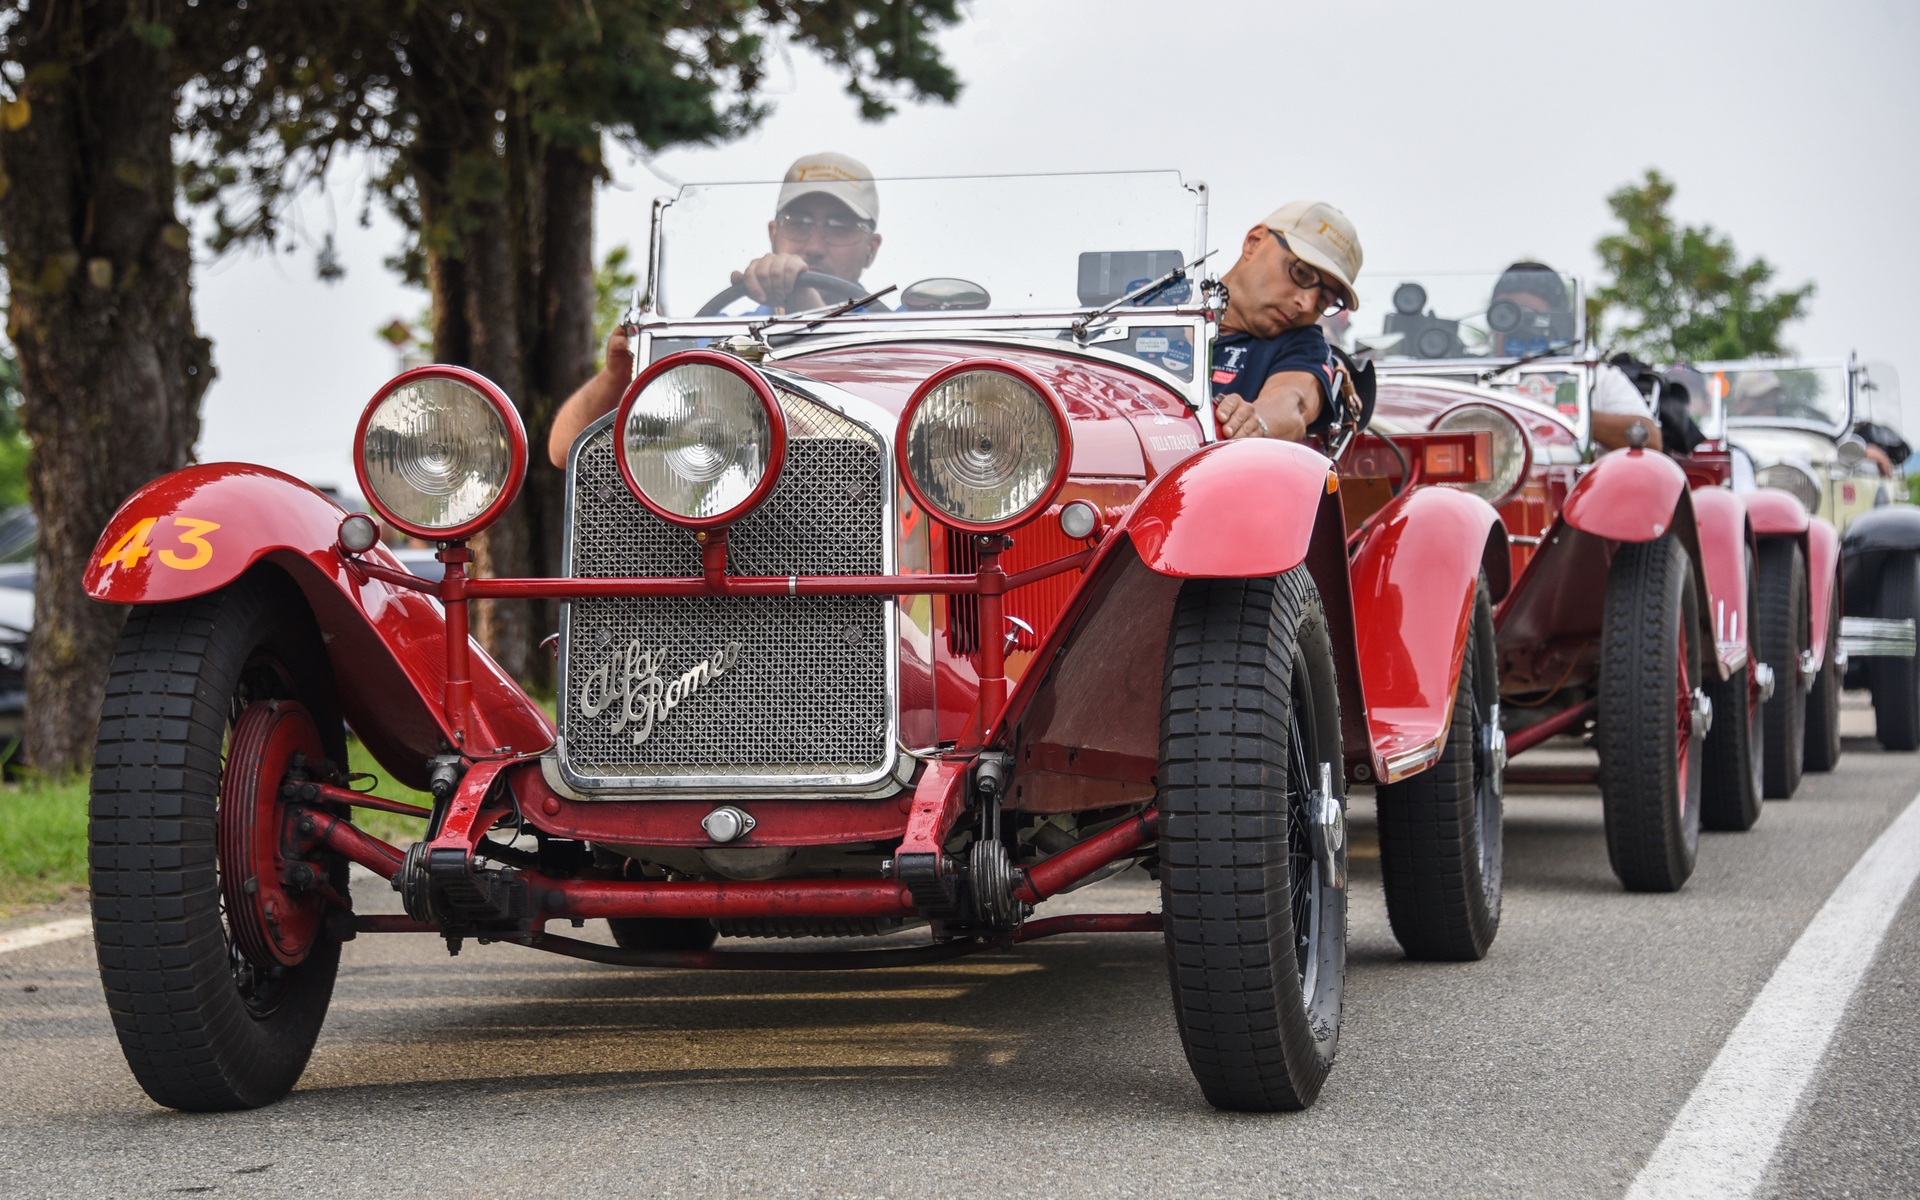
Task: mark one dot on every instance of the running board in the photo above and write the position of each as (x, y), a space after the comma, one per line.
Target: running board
(1876, 637)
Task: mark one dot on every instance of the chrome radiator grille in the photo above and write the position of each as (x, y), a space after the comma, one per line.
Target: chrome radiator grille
(805, 693)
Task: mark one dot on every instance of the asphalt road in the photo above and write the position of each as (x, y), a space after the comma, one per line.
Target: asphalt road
(1552, 1068)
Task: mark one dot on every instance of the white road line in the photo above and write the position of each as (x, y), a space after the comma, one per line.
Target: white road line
(1720, 1144)
(40, 935)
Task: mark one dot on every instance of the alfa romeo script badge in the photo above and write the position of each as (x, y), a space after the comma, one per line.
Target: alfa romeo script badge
(630, 681)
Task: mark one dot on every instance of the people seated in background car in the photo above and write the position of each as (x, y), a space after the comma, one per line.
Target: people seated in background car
(1273, 373)
(823, 221)
(1538, 319)
(1764, 394)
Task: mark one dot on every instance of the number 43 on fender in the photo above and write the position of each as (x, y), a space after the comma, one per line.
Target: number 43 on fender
(193, 552)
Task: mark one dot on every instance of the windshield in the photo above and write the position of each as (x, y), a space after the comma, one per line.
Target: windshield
(1759, 393)
(1023, 242)
(1527, 309)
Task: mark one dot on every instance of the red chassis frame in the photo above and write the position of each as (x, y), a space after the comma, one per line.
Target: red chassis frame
(478, 805)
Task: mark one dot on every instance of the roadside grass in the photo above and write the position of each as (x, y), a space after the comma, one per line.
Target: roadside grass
(43, 842)
(43, 833)
(388, 827)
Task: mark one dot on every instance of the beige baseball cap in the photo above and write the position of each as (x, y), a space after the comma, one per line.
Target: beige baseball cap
(845, 179)
(1322, 237)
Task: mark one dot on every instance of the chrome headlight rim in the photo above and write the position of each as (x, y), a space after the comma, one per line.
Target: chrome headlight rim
(1519, 431)
(1063, 435)
(509, 418)
(776, 447)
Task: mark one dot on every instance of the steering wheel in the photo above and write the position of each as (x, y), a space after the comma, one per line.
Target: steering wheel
(830, 287)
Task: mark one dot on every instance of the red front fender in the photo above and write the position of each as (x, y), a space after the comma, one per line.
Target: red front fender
(1823, 584)
(1721, 519)
(1236, 510)
(1414, 573)
(1627, 496)
(1774, 512)
(195, 531)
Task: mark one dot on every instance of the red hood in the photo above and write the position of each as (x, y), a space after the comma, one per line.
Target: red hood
(1123, 424)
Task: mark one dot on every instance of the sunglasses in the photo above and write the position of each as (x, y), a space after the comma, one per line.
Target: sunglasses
(835, 231)
(1307, 279)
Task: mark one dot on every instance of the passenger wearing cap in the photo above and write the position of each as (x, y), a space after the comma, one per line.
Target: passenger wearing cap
(823, 222)
(1545, 323)
(1273, 372)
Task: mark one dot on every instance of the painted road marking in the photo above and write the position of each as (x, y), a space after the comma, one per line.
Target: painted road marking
(40, 935)
(1726, 1134)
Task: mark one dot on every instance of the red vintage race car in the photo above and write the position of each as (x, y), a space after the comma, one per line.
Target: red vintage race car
(872, 621)
(1681, 621)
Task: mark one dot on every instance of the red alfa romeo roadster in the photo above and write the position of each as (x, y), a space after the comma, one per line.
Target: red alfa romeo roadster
(875, 620)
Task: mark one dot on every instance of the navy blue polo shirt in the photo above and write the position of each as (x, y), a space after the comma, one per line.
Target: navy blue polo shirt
(1242, 363)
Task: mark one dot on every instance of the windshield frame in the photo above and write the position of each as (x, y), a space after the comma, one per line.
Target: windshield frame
(1576, 347)
(1845, 366)
(646, 297)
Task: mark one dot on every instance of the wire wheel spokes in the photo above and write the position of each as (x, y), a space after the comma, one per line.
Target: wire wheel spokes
(1684, 733)
(1303, 870)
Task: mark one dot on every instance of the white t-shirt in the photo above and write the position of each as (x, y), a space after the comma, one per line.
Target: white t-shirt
(1614, 393)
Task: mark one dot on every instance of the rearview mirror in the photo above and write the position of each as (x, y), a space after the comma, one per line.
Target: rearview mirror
(944, 295)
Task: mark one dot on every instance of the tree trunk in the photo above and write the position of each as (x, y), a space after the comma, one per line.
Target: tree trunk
(111, 367)
(513, 299)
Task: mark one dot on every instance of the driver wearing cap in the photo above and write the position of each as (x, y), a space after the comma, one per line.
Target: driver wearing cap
(823, 222)
(1272, 370)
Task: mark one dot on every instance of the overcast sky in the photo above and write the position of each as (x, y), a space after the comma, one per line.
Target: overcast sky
(1457, 136)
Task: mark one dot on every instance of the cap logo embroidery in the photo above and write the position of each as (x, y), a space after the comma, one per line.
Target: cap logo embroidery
(813, 174)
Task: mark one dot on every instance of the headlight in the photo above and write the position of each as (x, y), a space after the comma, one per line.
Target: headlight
(1512, 449)
(701, 438)
(983, 444)
(1789, 478)
(440, 452)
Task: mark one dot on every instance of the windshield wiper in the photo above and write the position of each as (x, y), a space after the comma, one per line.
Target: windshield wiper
(1081, 326)
(759, 328)
(1495, 372)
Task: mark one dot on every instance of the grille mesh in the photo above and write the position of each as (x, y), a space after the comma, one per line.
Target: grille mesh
(807, 693)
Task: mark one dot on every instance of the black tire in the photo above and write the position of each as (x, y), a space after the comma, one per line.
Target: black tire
(1733, 782)
(1256, 940)
(1781, 626)
(1440, 833)
(662, 933)
(1896, 681)
(1649, 766)
(203, 1028)
(1823, 699)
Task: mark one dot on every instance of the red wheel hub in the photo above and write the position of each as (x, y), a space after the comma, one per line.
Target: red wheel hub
(273, 913)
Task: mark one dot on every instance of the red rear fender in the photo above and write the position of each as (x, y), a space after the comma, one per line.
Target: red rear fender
(196, 531)
(1627, 496)
(1414, 573)
(1236, 510)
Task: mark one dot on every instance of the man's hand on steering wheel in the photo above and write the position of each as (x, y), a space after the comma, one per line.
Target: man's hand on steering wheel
(770, 279)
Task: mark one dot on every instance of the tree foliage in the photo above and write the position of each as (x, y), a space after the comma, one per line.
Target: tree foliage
(485, 120)
(456, 89)
(1680, 292)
